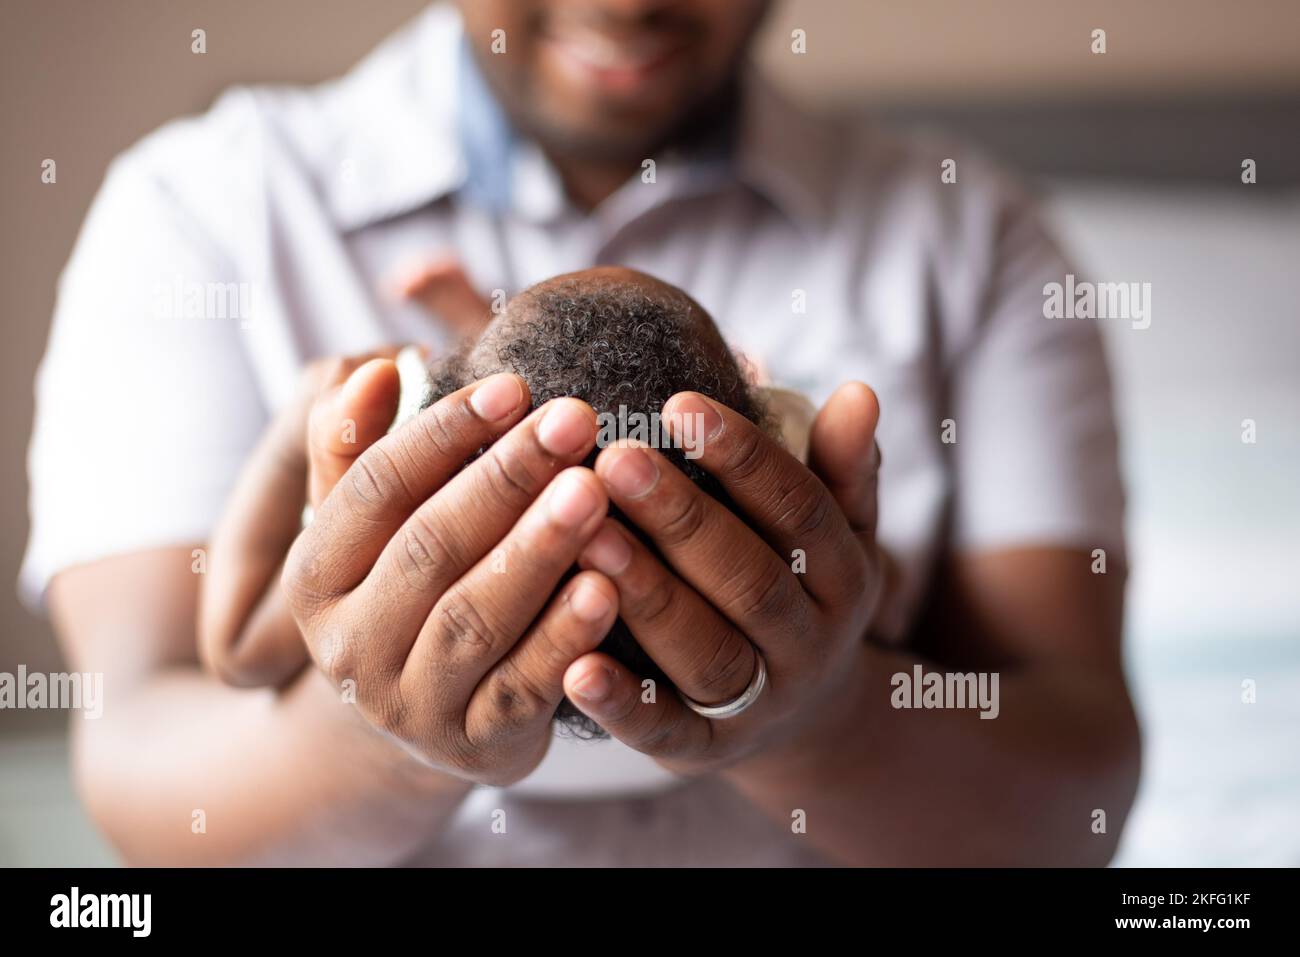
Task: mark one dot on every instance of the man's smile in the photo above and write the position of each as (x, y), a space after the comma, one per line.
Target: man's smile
(619, 63)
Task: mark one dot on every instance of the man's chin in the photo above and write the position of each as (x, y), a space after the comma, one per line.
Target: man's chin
(620, 138)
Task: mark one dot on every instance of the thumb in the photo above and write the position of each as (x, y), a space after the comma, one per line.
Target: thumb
(843, 452)
(346, 420)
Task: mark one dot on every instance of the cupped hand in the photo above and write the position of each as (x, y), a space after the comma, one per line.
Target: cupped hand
(792, 584)
(429, 589)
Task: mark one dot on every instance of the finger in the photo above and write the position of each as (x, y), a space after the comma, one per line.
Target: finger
(269, 650)
(519, 696)
(708, 546)
(443, 288)
(651, 720)
(843, 452)
(785, 501)
(246, 635)
(699, 650)
(444, 537)
(346, 420)
(470, 516)
(388, 482)
(476, 622)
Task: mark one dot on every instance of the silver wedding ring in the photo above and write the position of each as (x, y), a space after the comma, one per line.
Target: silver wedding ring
(734, 707)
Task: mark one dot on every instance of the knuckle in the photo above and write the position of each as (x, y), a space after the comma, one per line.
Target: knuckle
(516, 700)
(336, 654)
(300, 580)
(375, 479)
(764, 594)
(746, 458)
(423, 552)
(458, 624)
(508, 476)
(805, 508)
(652, 604)
(371, 477)
(558, 642)
(686, 520)
(729, 669)
(437, 428)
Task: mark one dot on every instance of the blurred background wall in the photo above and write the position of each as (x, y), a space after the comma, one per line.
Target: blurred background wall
(1138, 152)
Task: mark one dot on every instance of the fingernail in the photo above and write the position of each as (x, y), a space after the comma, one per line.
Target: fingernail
(701, 411)
(608, 552)
(572, 500)
(497, 397)
(633, 473)
(588, 602)
(596, 686)
(564, 429)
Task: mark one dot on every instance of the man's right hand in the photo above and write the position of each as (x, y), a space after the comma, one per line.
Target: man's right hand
(433, 588)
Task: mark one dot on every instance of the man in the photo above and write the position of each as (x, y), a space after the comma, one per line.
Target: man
(519, 143)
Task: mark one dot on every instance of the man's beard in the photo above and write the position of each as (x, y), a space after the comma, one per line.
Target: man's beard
(709, 125)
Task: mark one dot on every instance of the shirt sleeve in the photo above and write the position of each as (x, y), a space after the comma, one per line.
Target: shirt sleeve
(1036, 457)
(146, 401)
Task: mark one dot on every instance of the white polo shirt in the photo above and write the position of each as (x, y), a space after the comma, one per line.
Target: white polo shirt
(225, 251)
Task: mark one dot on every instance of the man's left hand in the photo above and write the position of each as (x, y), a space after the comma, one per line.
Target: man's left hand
(796, 582)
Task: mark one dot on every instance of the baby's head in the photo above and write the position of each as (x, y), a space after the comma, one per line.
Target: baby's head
(624, 343)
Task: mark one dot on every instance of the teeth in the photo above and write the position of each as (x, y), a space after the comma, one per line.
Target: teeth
(602, 52)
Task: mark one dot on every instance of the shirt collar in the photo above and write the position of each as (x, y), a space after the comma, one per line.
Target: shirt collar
(418, 123)
(486, 138)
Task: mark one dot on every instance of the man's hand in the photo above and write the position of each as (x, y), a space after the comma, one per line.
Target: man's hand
(797, 585)
(433, 589)
(246, 635)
